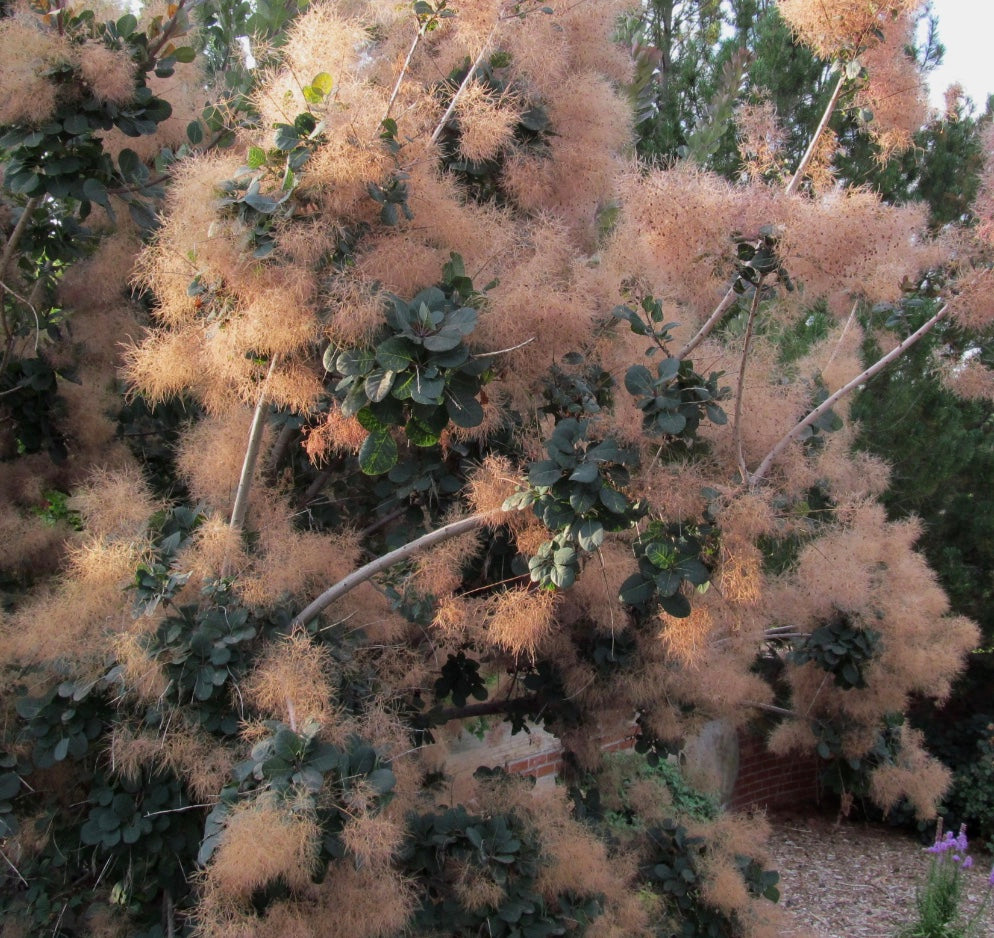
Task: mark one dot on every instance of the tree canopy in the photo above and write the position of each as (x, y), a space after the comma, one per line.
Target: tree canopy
(373, 386)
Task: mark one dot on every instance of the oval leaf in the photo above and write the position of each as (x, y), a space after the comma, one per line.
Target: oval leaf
(378, 454)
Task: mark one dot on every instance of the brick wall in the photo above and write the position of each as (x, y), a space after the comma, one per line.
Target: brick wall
(764, 780)
(769, 781)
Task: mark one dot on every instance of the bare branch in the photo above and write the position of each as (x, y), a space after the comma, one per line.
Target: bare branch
(462, 88)
(737, 432)
(15, 236)
(831, 400)
(354, 579)
(240, 508)
(729, 298)
(403, 72)
(795, 180)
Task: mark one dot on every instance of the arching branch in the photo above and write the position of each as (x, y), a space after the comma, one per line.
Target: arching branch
(365, 572)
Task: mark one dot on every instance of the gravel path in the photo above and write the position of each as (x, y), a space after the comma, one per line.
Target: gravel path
(856, 880)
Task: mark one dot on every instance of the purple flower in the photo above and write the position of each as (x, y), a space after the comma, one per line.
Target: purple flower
(967, 863)
(990, 879)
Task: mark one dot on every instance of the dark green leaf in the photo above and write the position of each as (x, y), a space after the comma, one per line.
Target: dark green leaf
(396, 353)
(378, 384)
(126, 25)
(670, 423)
(668, 369)
(76, 124)
(96, 191)
(545, 473)
(636, 590)
(590, 534)
(613, 500)
(427, 390)
(585, 472)
(10, 785)
(130, 164)
(464, 409)
(638, 381)
(378, 453)
(676, 605)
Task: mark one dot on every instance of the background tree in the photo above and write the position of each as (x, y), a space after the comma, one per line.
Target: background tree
(431, 459)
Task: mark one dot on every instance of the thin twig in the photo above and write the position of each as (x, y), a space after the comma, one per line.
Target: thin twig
(770, 708)
(8, 254)
(15, 235)
(845, 331)
(719, 311)
(403, 71)
(502, 351)
(156, 48)
(186, 807)
(465, 84)
(279, 450)
(730, 297)
(10, 863)
(832, 399)
(21, 299)
(315, 487)
(383, 522)
(737, 431)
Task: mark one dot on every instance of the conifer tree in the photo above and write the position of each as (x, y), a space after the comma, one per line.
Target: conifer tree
(481, 409)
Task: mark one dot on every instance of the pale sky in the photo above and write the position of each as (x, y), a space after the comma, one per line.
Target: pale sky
(966, 29)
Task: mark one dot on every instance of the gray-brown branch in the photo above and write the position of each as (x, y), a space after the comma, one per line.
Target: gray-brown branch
(369, 570)
(832, 399)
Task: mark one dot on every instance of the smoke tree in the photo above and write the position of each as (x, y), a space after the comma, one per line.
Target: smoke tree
(480, 409)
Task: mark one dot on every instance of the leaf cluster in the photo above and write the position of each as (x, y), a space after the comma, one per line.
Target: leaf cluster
(261, 195)
(669, 555)
(675, 870)
(532, 130)
(314, 775)
(63, 156)
(841, 648)
(419, 376)
(675, 399)
(578, 494)
(499, 850)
